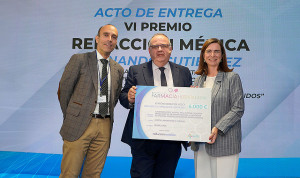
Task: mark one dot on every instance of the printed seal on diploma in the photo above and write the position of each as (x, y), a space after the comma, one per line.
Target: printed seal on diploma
(172, 113)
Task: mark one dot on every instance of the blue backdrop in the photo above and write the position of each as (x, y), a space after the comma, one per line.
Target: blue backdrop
(261, 39)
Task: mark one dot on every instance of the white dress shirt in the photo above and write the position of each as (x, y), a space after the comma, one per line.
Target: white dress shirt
(100, 65)
(157, 72)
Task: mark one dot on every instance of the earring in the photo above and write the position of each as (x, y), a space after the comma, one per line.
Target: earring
(204, 61)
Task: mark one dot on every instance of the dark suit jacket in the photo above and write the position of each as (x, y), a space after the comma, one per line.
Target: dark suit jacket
(143, 75)
(227, 109)
(78, 92)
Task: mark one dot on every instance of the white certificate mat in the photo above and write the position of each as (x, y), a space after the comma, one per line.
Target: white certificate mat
(172, 113)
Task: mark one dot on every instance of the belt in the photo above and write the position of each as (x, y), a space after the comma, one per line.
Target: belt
(99, 116)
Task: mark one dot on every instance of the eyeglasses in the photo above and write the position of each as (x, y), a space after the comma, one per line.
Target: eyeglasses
(163, 46)
(217, 52)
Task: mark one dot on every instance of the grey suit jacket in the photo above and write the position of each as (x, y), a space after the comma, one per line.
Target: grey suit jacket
(227, 109)
(143, 75)
(78, 93)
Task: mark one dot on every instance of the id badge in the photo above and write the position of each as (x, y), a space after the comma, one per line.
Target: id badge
(102, 99)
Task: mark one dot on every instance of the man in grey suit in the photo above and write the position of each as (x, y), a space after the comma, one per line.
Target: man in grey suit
(153, 158)
(88, 92)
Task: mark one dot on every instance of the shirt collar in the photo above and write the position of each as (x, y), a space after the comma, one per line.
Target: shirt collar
(154, 67)
(99, 56)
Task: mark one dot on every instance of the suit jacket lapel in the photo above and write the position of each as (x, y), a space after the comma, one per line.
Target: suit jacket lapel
(92, 62)
(175, 74)
(216, 86)
(113, 75)
(148, 73)
(201, 81)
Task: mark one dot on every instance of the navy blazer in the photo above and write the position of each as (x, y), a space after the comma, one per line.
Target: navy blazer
(143, 75)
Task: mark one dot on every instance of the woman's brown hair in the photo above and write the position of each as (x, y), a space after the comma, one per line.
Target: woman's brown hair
(202, 68)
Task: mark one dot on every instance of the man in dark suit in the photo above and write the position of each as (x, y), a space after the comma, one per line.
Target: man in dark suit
(153, 158)
(89, 90)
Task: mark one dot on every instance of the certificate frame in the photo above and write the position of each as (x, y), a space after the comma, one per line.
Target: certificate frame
(172, 113)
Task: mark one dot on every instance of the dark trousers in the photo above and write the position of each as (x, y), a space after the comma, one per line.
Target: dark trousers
(154, 158)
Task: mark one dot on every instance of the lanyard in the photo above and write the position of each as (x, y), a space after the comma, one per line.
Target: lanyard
(99, 75)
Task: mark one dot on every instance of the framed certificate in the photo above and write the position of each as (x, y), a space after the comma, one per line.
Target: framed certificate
(172, 113)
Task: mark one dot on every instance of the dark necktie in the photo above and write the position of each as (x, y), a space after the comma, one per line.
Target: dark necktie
(103, 106)
(163, 76)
